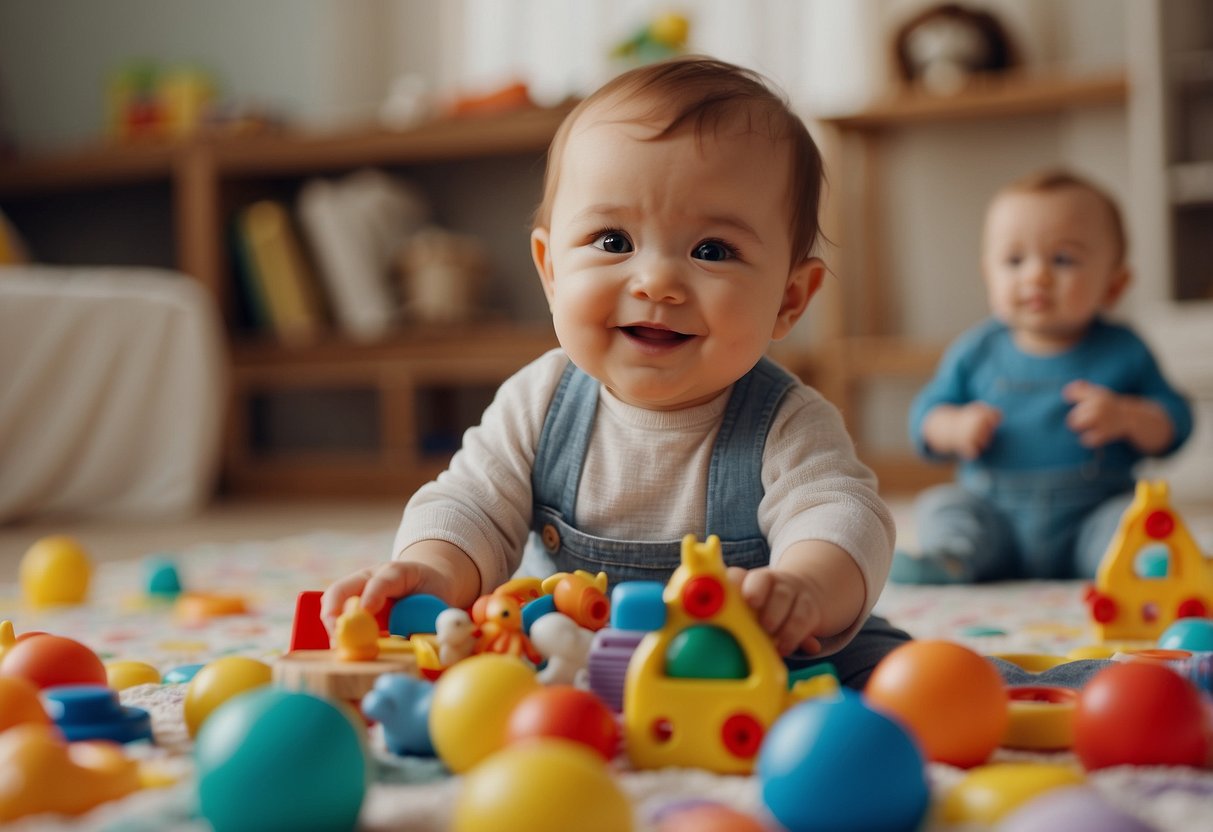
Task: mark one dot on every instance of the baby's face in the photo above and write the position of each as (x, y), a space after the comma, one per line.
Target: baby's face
(667, 262)
(1051, 264)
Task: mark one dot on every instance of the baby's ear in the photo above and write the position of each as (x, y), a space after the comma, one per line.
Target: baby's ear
(803, 282)
(1120, 281)
(541, 253)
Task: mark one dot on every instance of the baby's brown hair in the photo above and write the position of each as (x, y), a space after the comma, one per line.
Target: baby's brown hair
(1058, 179)
(702, 93)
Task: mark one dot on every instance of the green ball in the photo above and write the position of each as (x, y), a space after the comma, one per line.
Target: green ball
(705, 652)
(277, 759)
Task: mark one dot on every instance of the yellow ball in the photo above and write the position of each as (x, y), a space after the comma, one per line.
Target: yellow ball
(218, 682)
(55, 570)
(127, 674)
(989, 792)
(471, 704)
(542, 785)
(670, 29)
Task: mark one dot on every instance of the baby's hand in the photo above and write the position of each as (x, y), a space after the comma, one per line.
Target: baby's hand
(784, 604)
(376, 585)
(1097, 415)
(975, 425)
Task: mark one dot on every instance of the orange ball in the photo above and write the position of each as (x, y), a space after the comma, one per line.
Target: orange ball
(565, 712)
(49, 661)
(19, 703)
(951, 699)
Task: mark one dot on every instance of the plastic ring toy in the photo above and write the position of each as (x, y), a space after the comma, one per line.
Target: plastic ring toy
(1042, 717)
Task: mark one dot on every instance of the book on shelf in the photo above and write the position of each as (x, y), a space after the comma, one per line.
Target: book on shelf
(284, 289)
(355, 226)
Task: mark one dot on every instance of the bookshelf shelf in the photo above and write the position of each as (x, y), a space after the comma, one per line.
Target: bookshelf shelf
(330, 416)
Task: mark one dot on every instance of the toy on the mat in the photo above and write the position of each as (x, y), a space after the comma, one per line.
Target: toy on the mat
(819, 762)
(93, 712)
(677, 709)
(1074, 809)
(565, 646)
(951, 699)
(55, 571)
(42, 775)
(1041, 717)
(987, 793)
(356, 637)
(501, 630)
(456, 635)
(19, 703)
(219, 681)
(564, 712)
(276, 759)
(1193, 634)
(400, 703)
(125, 674)
(471, 704)
(581, 596)
(705, 816)
(197, 608)
(1126, 604)
(544, 785)
(163, 579)
(1141, 713)
(49, 661)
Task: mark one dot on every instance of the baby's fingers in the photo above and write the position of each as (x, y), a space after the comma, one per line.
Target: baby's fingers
(333, 599)
(395, 580)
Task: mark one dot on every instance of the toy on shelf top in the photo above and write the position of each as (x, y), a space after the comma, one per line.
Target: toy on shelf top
(678, 710)
(1153, 572)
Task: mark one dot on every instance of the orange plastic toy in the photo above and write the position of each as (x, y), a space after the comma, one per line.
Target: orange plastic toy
(19, 703)
(581, 596)
(675, 718)
(48, 661)
(45, 774)
(950, 698)
(1125, 604)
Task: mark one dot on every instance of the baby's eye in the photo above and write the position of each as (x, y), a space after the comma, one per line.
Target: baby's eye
(613, 242)
(1013, 259)
(1064, 260)
(714, 250)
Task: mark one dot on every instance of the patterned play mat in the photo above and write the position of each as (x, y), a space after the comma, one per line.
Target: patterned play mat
(119, 622)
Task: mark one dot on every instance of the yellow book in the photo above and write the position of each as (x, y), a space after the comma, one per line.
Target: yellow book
(287, 285)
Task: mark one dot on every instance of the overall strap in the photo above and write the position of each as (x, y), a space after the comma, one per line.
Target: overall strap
(735, 473)
(564, 440)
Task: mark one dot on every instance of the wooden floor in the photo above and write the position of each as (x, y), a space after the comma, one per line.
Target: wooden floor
(221, 522)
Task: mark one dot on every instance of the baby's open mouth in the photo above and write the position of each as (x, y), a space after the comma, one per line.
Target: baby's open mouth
(655, 335)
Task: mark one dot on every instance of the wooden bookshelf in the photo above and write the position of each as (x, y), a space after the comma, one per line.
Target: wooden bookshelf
(204, 180)
(864, 346)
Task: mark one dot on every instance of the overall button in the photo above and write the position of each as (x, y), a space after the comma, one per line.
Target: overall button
(551, 538)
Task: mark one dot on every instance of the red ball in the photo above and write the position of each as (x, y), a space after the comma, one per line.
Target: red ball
(49, 661)
(1142, 714)
(568, 713)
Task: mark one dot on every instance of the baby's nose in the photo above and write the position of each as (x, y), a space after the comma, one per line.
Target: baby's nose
(659, 279)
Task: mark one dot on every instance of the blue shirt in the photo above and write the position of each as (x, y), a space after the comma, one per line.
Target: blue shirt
(984, 364)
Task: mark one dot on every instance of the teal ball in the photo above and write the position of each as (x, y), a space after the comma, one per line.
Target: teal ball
(275, 759)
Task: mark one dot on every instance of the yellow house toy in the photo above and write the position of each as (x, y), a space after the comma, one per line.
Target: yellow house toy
(705, 688)
(1133, 599)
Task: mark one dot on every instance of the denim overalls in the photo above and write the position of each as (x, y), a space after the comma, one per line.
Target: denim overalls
(733, 496)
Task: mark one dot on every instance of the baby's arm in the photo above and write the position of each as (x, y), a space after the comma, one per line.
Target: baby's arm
(964, 430)
(428, 566)
(816, 590)
(1100, 416)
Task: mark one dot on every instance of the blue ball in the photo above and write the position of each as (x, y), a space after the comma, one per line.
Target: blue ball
(836, 765)
(1195, 634)
(277, 759)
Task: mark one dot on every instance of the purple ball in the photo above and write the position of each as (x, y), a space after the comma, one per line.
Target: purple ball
(1071, 809)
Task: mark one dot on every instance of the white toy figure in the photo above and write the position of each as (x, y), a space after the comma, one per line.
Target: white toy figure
(566, 646)
(456, 635)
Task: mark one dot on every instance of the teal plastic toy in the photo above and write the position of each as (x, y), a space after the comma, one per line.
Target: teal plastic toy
(277, 759)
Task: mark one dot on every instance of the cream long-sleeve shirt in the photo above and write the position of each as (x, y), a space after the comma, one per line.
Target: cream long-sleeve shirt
(645, 478)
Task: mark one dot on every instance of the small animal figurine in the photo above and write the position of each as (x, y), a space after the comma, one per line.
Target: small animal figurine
(501, 631)
(357, 635)
(566, 647)
(401, 704)
(456, 635)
